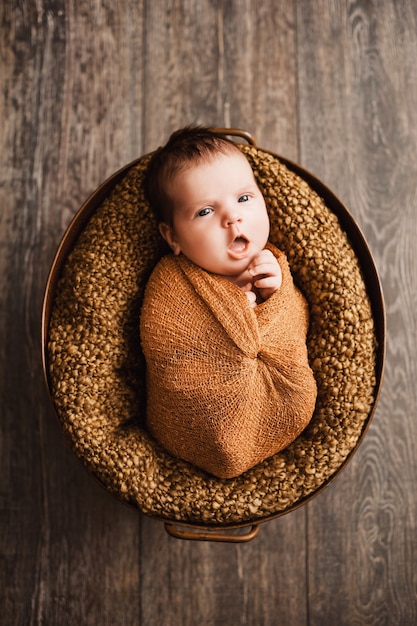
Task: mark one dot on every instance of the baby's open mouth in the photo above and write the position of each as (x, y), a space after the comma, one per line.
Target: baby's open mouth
(239, 244)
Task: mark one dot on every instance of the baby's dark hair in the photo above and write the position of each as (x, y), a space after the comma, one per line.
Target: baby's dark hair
(186, 146)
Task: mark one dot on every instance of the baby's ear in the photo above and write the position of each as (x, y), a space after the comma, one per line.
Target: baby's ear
(168, 234)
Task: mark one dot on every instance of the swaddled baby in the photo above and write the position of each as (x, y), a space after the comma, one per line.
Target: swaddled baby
(223, 328)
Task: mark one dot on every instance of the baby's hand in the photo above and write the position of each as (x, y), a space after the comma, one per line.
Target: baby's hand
(266, 273)
(251, 295)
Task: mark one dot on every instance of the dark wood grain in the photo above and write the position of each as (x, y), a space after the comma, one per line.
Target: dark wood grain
(59, 529)
(257, 583)
(357, 132)
(87, 87)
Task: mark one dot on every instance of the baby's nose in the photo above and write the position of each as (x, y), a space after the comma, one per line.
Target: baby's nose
(232, 218)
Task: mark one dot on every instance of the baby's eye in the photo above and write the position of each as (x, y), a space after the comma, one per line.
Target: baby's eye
(244, 198)
(206, 211)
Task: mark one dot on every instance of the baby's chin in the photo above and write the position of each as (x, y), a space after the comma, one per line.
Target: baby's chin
(241, 278)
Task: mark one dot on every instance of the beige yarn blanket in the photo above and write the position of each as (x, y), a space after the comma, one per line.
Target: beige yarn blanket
(228, 385)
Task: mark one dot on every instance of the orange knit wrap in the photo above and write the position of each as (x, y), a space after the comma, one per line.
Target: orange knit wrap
(227, 385)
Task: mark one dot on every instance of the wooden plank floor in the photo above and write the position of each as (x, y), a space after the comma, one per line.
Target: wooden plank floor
(85, 88)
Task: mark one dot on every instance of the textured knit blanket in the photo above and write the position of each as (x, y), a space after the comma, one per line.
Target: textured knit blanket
(228, 385)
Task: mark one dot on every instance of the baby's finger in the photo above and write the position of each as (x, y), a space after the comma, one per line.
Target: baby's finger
(251, 296)
(264, 256)
(268, 282)
(265, 268)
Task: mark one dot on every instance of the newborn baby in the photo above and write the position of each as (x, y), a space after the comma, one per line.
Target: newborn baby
(223, 328)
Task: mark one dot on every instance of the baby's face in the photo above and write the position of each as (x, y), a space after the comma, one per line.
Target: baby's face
(220, 218)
